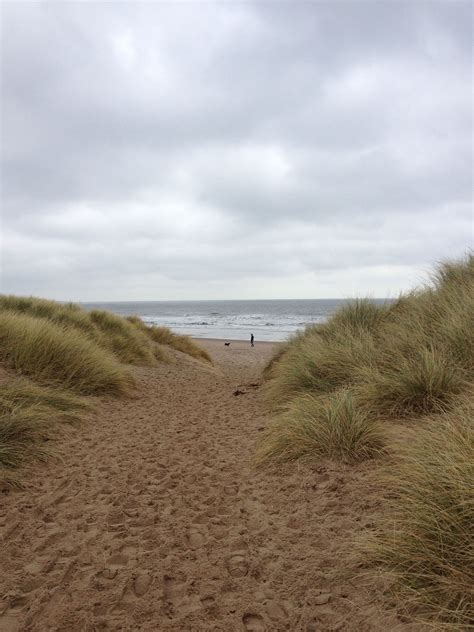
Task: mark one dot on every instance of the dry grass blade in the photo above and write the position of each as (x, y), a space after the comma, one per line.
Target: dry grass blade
(426, 544)
(55, 354)
(164, 336)
(311, 428)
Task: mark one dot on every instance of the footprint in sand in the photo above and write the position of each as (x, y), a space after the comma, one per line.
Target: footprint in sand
(253, 622)
(173, 589)
(237, 565)
(237, 562)
(115, 518)
(117, 560)
(195, 539)
(276, 611)
(109, 573)
(208, 601)
(141, 584)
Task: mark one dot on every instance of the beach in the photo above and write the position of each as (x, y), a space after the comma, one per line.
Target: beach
(155, 517)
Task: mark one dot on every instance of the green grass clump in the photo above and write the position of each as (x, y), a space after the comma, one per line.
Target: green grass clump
(312, 427)
(28, 416)
(317, 365)
(356, 316)
(335, 385)
(424, 381)
(68, 314)
(124, 339)
(164, 336)
(22, 436)
(409, 358)
(426, 543)
(60, 356)
(23, 393)
(129, 339)
(107, 330)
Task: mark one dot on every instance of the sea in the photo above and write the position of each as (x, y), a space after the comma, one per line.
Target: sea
(267, 320)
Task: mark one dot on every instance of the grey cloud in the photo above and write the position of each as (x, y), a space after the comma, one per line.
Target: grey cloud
(209, 141)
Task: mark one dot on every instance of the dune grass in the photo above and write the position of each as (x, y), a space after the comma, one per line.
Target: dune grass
(318, 363)
(426, 542)
(313, 427)
(164, 336)
(57, 355)
(69, 351)
(107, 330)
(425, 381)
(28, 416)
(23, 393)
(22, 435)
(126, 341)
(334, 386)
(129, 339)
(408, 358)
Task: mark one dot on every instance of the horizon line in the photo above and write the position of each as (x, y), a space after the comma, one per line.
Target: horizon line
(229, 300)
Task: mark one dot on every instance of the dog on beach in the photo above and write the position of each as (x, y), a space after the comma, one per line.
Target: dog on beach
(226, 344)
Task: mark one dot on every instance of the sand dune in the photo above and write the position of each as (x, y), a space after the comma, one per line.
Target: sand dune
(156, 519)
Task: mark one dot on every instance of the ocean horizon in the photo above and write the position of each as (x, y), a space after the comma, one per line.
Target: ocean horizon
(272, 320)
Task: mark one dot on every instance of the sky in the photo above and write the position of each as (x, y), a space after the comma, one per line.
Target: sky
(233, 150)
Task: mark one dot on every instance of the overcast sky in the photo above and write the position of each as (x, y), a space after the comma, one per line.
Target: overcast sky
(200, 150)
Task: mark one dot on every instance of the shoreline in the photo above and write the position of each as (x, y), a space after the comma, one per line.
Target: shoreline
(240, 341)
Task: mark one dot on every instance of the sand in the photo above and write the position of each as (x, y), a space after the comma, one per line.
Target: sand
(155, 518)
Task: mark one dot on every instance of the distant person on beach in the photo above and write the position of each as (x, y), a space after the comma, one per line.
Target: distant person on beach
(251, 340)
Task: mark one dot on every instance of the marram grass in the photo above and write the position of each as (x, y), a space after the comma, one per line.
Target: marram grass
(120, 336)
(18, 393)
(426, 542)
(68, 352)
(315, 365)
(409, 358)
(164, 336)
(314, 427)
(335, 385)
(28, 418)
(130, 340)
(424, 381)
(60, 356)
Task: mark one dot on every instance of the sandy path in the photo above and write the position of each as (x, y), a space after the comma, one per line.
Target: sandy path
(157, 520)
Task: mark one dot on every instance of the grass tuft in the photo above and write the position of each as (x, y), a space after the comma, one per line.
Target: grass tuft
(60, 356)
(314, 364)
(426, 381)
(28, 416)
(426, 543)
(120, 336)
(334, 383)
(164, 336)
(312, 427)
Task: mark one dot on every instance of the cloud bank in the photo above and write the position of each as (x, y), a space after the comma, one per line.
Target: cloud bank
(233, 150)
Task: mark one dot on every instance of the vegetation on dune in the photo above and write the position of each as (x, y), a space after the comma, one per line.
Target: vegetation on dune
(54, 354)
(70, 352)
(129, 339)
(426, 543)
(412, 357)
(313, 426)
(28, 416)
(22, 435)
(107, 330)
(23, 393)
(124, 339)
(334, 386)
(164, 336)
(319, 363)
